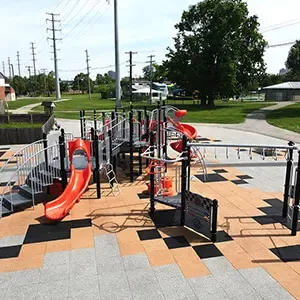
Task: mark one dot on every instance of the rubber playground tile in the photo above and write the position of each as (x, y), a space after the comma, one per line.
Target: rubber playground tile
(243, 177)
(275, 202)
(10, 252)
(42, 233)
(211, 178)
(287, 254)
(130, 248)
(220, 171)
(82, 238)
(150, 234)
(81, 223)
(207, 251)
(3, 184)
(30, 250)
(144, 196)
(176, 242)
(160, 257)
(154, 245)
(127, 235)
(166, 218)
(172, 231)
(223, 236)
(238, 182)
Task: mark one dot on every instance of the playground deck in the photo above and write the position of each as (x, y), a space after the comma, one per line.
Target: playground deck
(111, 249)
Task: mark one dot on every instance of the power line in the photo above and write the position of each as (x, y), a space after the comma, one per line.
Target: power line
(70, 12)
(75, 26)
(281, 25)
(58, 5)
(65, 6)
(281, 44)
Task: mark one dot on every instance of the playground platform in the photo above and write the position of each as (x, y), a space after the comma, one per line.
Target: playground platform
(110, 248)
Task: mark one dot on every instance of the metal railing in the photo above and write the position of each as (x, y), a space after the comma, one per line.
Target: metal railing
(35, 172)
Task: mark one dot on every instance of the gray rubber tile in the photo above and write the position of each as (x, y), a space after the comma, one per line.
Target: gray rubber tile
(140, 278)
(51, 260)
(14, 240)
(205, 285)
(176, 288)
(235, 285)
(110, 281)
(24, 277)
(218, 296)
(56, 290)
(136, 261)
(218, 265)
(167, 271)
(149, 293)
(55, 273)
(4, 280)
(82, 255)
(111, 264)
(84, 287)
(25, 292)
(106, 245)
(83, 262)
(118, 294)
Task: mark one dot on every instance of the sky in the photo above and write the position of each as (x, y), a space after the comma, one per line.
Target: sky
(146, 27)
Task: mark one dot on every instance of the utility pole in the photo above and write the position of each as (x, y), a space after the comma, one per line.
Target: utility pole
(88, 73)
(130, 72)
(29, 73)
(3, 65)
(54, 39)
(18, 60)
(12, 70)
(151, 74)
(117, 58)
(9, 71)
(33, 58)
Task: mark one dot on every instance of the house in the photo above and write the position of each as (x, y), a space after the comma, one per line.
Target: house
(142, 90)
(287, 91)
(7, 93)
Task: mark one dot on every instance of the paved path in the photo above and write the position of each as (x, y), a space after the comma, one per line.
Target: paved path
(256, 123)
(27, 108)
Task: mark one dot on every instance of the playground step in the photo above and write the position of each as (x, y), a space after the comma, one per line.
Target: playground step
(174, 201)
(16, 200)
(39, 183)
(5, 211)
(26, 191)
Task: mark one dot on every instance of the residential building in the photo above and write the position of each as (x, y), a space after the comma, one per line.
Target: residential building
(287, 91)
(7, 93)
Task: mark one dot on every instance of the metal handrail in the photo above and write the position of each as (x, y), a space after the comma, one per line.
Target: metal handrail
(18, 170)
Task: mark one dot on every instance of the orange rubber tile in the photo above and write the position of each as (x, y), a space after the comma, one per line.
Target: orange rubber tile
(189, 262)
(33, 262)
(127, 235)
(130, 248)
(82, 238)
(160, 257)
(295, 265)
(154, 245)
(57, 246)
(29, 250)
(14, 230)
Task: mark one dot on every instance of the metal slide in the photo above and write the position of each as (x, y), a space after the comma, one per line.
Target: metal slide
(80, 176)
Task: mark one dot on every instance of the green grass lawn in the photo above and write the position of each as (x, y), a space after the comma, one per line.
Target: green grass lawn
(23, 102)
(225, 112)
(21, 125)
(286, 117)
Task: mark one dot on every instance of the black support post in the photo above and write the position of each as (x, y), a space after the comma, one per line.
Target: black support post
(158, 133)
(184, 175)
(214, 221)
(287, 181)
(81, 124)
(131, 143)
(152, 183)
(124, 129)
(95, 121)
(63, 172)
(84, 125)
(110, 147)
(103, 118)
(165, 133)
(147, 134)
(297, 200)
(97, 168)
(45, 143)
(140, 147)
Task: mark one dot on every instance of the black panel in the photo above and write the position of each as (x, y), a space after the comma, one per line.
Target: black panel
(207, 251)
(81, 223)
(238, 182)
(202, 139)
(150, 234)
(144, 196)
(244, 177)
(265, 220)
(219, 171)
(4, 149)
(223, 236)
(289, 253)
(2, 153)
(47, 232)
(176, 242)
(166, 218)
(275, 202)
(271, 210)
(5, 183)
(10, 252)
(211, 178)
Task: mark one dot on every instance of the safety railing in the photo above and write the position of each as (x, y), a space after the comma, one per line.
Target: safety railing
(35, 172)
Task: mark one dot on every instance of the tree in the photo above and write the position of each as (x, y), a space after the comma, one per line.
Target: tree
(104, 79)
(159, 73)
(81, 82)
(218, 50)
(293, 60)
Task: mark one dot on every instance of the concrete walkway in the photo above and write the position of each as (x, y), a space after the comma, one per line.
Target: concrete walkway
(256, 123)
(27, 108)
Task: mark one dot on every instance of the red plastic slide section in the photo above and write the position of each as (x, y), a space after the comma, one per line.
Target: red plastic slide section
(189, 131)
(78, 183)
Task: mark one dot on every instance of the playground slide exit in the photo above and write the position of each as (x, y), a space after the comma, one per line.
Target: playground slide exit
(78, 183)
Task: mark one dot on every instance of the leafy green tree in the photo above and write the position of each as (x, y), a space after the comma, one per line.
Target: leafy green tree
(159, 73)
(81, 82)
(64, 86)
(51, 83)
(20, 85)
(104, 79)
(218, 50)
(271, 79)
(293, 60)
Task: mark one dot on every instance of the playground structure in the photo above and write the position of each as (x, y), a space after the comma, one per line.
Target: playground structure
(158, 139)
